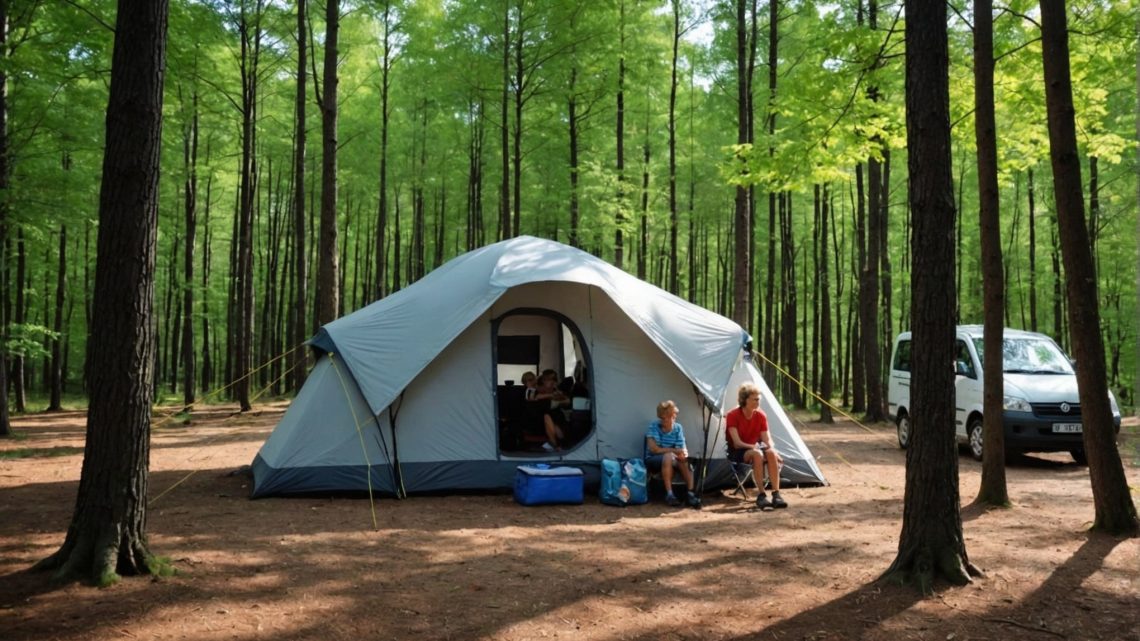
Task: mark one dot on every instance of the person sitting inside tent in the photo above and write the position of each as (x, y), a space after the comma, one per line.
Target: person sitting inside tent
(751, 443)
(665, 451)
(548, 401)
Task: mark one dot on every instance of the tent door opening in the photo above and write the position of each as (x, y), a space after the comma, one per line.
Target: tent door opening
(537, 341)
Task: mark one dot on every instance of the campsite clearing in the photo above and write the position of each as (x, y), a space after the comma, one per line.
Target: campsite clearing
(482, 567)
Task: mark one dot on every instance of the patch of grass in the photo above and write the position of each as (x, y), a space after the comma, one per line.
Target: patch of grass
(38, 452)
(161, 566)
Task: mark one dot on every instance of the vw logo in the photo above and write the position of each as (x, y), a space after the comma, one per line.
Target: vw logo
(1065, 408)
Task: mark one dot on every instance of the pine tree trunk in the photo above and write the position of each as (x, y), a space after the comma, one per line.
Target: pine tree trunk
(299, 311)
(504, 131)
(672, 126)
(1032, 255)
(107, 534)
(993, 487)
(56, 370)
(190, 160)
(5, 183)
(328, 294)
(826, 382)
(742, 269)
(1115, 511)
(931, 544)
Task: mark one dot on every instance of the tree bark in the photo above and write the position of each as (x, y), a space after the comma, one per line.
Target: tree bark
(300, 322)
(190, 203)
(107, 535)
(742, 269)
(56, 368)
(328, 294)
(826, 382)
(931, 544)
(993, 487)
(673, 283)
(619, 217)
(1032, 253)
(5, 183)
(1115, 511)
(504, 132)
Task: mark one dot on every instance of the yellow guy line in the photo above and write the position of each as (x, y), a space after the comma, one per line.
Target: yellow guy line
(211, 441)
(360, 435)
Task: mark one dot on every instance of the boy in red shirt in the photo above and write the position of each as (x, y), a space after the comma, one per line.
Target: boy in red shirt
(749, 442)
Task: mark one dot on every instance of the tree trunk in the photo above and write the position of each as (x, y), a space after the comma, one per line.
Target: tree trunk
(672, 126)
(742, 270)
(619, 217)
(5, 184)
(1032, 254)
(207, 360)
(1115, 511)
(931, 544)
(300, 254)
(826, 383)
(869, 272)
(504, 130)
(56, 371)
(190, 159)
(993, 488)
(19, 378)
(572, 123)
(243, 285)
(328, 295)
(107, 534)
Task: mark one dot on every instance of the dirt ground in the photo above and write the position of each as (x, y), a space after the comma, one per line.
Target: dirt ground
(482, 567)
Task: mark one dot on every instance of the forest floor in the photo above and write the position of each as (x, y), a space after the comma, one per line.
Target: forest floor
(482, 567)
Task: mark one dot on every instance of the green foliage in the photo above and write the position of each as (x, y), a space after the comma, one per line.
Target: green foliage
(445, 126)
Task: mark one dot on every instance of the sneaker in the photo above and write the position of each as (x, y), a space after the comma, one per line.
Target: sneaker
(693, 501)
(763, 503)
(778, 501)
(672, 500)
(547, 447)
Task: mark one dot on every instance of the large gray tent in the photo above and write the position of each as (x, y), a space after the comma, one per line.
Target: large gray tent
(409, 393)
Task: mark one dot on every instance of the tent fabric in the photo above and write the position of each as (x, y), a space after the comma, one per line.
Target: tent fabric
(424, 356)
(417, 327)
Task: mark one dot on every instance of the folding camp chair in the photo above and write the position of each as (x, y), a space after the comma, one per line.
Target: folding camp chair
(742, 473)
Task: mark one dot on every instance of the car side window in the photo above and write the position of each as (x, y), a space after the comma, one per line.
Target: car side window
(963, 363)
(902, 357)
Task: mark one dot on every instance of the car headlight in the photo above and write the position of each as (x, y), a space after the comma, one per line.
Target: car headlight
(1015, 404)
(1112, 404)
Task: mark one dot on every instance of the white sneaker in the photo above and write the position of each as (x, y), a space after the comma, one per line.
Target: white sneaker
(547, 447)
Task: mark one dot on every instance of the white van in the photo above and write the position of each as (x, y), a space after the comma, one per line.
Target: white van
(1042, 410)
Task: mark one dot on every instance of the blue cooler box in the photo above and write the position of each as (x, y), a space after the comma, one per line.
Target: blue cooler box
(542, 484)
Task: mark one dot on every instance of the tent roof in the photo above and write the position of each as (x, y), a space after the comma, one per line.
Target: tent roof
(388, 343)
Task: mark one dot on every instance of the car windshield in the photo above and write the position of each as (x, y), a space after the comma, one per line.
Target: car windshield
(1029, 355)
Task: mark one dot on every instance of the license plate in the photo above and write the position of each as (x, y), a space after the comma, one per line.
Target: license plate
(1067, 428)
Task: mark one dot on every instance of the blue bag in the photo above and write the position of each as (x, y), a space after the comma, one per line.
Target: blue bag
(624, 482)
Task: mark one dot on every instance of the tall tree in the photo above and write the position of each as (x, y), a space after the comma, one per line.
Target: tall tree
(619, 222)
(869, 272)
(250, 56)
(190, 207)
(931, 543)
(299, 321)
(742, 216)
(328, 294)
(107, 535)
(1115, 511)
(5, 173)
(993, 489)
(55, 370)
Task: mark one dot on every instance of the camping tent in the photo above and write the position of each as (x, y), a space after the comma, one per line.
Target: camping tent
(413, 392)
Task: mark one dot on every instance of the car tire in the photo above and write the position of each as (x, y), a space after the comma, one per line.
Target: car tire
(1078, 454)
(975, 435)
(902, 430)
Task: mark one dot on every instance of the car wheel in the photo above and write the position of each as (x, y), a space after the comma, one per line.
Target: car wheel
(974, 431)
(902, 428)
(1079, 455)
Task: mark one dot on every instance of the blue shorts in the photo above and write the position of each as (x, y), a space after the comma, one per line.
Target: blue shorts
(653, 462)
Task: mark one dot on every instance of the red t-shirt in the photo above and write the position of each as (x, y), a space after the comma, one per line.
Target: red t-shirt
(749, 430)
